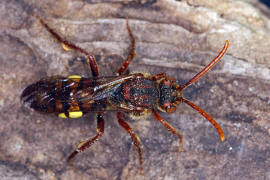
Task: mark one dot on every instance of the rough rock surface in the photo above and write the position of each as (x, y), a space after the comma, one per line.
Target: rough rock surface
(176, 37)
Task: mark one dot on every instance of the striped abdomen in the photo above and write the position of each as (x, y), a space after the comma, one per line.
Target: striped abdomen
(65, 97)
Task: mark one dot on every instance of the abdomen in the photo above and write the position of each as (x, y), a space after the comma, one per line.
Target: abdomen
(65, 97)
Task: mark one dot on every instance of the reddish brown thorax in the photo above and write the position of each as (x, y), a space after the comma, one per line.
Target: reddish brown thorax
(136, 94)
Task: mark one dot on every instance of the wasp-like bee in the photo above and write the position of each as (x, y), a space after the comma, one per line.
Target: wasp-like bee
(137, 94)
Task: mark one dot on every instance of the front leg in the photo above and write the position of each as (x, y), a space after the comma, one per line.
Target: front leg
(169, 128)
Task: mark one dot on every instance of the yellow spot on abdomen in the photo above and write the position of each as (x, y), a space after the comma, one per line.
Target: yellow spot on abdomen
(74, 77)
(62, 115)
(75, 114)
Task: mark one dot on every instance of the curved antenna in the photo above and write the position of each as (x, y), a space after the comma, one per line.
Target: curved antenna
(207, 116)
(207, 68)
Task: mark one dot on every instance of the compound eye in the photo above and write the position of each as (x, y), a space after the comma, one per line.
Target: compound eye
(170, 108)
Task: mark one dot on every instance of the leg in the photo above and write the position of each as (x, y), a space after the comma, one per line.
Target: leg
(68, 45)
(170, 128)
(131, 53)
(86, 144)
(135, 138)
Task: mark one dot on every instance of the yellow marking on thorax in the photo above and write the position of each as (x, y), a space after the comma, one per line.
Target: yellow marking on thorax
(75, 114)
(62, 115)
(74, 77)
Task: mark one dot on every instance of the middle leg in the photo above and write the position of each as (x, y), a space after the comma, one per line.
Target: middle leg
(135, 138)
(131, 53)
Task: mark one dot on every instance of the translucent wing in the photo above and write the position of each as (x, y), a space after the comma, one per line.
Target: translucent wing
(60, 94)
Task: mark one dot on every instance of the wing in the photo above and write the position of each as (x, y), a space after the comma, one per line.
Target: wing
(60, 95)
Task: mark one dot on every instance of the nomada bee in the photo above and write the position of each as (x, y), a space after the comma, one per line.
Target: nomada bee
(136, 94)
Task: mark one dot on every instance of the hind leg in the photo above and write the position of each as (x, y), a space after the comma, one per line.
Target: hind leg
(69, 45)
(66, 45)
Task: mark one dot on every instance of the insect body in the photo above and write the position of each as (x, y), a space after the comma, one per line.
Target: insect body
(137, 94)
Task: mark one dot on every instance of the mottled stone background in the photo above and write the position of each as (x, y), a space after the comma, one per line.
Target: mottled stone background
(176, 37)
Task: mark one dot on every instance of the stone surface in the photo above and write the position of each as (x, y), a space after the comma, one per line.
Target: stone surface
(176, 37)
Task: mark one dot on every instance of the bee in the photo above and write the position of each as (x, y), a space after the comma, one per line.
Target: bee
(135, 94)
